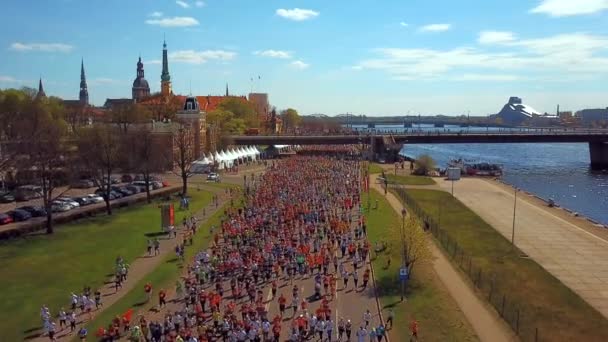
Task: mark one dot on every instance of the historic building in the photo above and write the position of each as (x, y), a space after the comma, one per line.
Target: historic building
(191, 117)
(40, 94)
(140, 89)
(83, 96)
(165, 78)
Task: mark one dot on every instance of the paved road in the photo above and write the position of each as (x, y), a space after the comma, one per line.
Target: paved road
(575, 256)
(484, 321)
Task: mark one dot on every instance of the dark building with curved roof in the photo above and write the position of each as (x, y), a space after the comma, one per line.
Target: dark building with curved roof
(140, 89)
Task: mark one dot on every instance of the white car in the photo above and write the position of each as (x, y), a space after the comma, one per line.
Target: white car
(95, 198)
(59, 206)
(213, 177)
(69, 201)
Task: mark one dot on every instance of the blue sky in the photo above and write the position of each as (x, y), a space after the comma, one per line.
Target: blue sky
(369, 57)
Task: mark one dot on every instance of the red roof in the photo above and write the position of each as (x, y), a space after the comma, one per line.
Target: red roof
(207, 103)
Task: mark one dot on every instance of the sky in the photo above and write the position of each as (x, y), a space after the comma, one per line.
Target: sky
(372, 57)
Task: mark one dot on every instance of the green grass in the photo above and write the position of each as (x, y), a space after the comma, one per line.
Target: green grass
(44, 269)
(375, 168)
(428, 301)
(162, 277)
(544, 302)
(410, 180)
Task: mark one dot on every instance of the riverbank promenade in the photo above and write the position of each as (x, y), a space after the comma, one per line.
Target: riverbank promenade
(576, 254)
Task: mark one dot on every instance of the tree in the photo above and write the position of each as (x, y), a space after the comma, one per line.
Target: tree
(143, 152)
(126, 115)
(241, 110)
(424, 164)
(291, 118)
(183, 154)
(99, 150)
(166, 108)
(416, 245)
(44, 152)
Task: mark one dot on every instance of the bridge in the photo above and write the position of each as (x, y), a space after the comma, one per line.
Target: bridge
(597, 140)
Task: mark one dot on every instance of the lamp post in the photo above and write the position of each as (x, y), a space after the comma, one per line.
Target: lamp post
(403, 213)
(513, 228)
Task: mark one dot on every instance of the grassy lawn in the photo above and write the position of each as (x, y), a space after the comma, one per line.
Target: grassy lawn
(163, 277)
(410, 180)
(544, 302)
(438, 316)
(43, 269)
(375, 168)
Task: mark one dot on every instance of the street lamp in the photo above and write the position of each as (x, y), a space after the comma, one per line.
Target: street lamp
(403, 214)
(514, 208)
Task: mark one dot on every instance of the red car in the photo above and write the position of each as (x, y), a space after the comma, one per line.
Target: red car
(5, 219)
(165, 184)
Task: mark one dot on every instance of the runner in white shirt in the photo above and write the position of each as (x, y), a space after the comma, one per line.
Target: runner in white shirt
(329, 329)
(361, 334)
(367, 317)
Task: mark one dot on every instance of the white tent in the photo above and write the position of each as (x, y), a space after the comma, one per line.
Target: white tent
(224, 160)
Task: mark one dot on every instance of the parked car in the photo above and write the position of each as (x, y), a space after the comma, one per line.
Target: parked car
(69, 201)
(5, 219)
(59, 206)
(142, 184)
(19, 215)
(6, 197)
(165, 184)
(95, 198)
(82, 200)
(157, 185)
(126, 178)
(82, 184)
(28, 192)
(34, 210)
(123, 190)
(116, 195)
(213, 177)
(133, 188)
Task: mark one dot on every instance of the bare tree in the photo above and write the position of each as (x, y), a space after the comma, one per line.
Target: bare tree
(127, 115)
(98, 150)
(144, 156)
(183, 154)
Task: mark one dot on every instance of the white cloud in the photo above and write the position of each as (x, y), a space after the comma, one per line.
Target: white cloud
(156, 14)
(200, 57)
(495, 37)
(7, 79)
(435, 28)
(173, 22)
(274, 54)
(563, 8)
(45, 47)
(299, 65)
(404, 24)
(182, 4)
(488, 77)
(576, 54)
(199, 3)
(297, 14)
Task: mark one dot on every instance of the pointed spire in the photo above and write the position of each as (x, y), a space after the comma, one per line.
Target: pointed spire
(83, 96)
(165, 78)
(41, 92)
(227, 93)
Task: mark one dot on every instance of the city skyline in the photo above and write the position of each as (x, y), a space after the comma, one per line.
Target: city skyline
(322, 57)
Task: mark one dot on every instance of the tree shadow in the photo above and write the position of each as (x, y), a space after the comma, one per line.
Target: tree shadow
(31, 330)
(155, 234)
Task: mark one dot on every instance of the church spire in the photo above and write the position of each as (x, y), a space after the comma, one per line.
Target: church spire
(227, 94)
(165, 78)
(40, 93)
(84, 92)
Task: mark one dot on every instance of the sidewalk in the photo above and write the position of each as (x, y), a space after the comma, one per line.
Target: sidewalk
(485, 322)
(139, 267)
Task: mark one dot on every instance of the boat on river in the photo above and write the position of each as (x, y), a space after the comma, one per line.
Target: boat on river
(473, 168)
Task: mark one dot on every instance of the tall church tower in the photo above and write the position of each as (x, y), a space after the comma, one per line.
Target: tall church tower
(84, 92)
(165, 78)
(140, 89)
(41, 92)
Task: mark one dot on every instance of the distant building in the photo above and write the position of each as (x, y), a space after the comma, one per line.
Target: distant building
(115, 103)
(140, 89)
(193, 119)
(165, 78)
(590, 117)
(515, 112)
(41, 94)
(83, 96)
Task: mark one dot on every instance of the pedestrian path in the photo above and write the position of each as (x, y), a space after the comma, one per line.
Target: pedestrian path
(487, 325)
(573, 255)
(141, 266)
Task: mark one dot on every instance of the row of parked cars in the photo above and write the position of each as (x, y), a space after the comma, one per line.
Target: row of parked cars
(63, 204)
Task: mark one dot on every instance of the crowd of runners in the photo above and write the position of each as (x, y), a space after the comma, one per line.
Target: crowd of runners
(298, 221)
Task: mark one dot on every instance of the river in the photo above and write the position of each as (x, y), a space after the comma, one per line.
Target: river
(558, 171)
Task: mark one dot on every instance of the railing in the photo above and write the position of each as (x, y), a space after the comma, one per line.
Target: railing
(512, 312)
